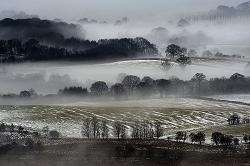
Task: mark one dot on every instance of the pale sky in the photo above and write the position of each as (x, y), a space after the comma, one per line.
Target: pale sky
(111, 9)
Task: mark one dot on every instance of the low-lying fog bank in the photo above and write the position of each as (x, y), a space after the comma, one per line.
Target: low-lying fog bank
(48, 78)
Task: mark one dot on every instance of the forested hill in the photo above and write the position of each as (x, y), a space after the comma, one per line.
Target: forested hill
(35, 40)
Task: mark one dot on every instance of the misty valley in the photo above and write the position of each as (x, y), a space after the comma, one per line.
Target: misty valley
(160, 83)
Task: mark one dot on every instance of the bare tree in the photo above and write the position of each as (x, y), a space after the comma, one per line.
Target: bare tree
(95, 126)
(104, 130)
(158, 129)
(86, 128)
(119, 130)
(135, 131)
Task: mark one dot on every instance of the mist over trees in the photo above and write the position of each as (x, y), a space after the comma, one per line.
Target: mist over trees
(223, 13)
(32, 50)
(132, 86)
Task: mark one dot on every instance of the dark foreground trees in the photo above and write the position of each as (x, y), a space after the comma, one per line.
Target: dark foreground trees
(94, 128)
(199, 137)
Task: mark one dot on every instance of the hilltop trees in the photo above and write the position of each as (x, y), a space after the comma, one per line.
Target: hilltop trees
(179, 54)
(74, 49)
(173, 51)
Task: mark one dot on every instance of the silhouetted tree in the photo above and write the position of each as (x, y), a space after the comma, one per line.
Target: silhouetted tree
(237, 76)
(54, 134)
(181, 136)
(198, 78)
(162, 86)
(99, 88)
(246, 138)
(95, 127)
(234, 119)
(86, 128)
(236, 141)
(144, 89)
(175, 51)
(74, 91)
(118, 90)
(197, 137)
(135, 131)
(29, 143)
(119, 130)
(130, 82)
(25, 94)
(104, 129)
(158, 129)
(216, 137)
(2, 127)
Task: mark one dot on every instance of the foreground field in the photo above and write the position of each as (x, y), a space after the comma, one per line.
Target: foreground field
(175, 114)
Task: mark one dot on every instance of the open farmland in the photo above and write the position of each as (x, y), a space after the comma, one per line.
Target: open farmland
(175, 114)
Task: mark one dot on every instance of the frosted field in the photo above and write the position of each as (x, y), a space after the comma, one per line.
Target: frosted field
(175, 114)
(245, 98)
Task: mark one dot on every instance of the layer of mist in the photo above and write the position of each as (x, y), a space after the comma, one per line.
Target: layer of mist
(48, 78)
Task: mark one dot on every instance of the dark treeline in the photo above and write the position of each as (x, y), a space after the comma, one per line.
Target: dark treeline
(134, 86)
(94, 128)
(147, 87)
(45, 31)
(32, 50)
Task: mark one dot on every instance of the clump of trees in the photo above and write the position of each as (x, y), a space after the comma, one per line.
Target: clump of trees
(15, 50)
(181, 136)
(134, 86)
(199, 137)
(222, 139)
(179, 54)
(73, 91)
(235, 119)
(94, 128)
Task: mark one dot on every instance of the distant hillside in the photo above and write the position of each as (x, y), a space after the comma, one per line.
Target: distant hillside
(108, 49)
(34, 39)
(45, 31)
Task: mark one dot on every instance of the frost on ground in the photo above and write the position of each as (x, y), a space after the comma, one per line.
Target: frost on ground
(175, 114)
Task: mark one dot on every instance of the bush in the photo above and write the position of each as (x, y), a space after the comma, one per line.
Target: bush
(54, 134)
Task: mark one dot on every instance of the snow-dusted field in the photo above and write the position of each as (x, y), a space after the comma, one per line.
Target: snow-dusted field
(245, 98)
(175, 114)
